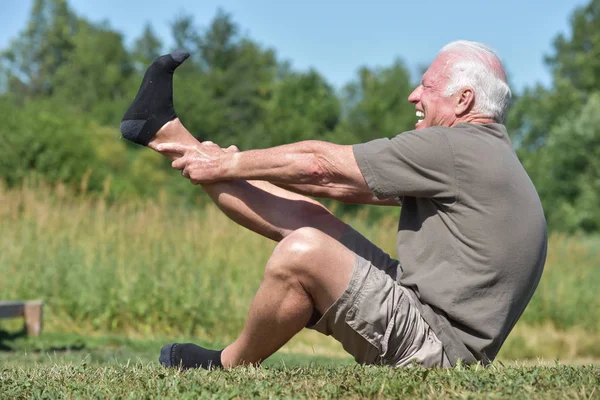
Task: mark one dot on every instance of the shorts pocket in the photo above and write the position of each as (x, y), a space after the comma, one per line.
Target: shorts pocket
(407, 341)
(372, 314)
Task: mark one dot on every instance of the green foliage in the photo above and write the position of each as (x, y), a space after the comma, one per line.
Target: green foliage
(97, 77)
(233, 90)
(570, 163)
(55, 147)
(377, 104)
(577, 58)
(147, 47)
(33, 59)
(303, 106)
(556, 129)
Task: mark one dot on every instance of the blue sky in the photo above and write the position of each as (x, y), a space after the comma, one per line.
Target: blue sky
(337, 37)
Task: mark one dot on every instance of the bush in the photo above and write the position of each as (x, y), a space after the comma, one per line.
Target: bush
(37, 138)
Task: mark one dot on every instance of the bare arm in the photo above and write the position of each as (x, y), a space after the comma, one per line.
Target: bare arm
(311, 167)
(259, 206)
(344, 196)
(309, 162)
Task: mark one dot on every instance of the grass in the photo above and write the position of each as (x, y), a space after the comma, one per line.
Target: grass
(60, 348)
(156, 269)
(140, 380)
(74, 366)
(119, 280)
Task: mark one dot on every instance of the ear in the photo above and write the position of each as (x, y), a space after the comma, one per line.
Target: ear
(464, 101)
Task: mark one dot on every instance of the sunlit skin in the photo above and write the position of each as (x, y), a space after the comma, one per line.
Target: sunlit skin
(440, 110)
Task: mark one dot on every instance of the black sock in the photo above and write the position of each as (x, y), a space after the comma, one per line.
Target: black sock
(153, 104)
(188, 355)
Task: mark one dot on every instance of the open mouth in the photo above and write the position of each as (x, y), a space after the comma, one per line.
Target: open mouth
(421, 116)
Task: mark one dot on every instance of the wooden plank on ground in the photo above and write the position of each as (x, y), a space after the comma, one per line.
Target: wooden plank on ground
(30, 310)
(12, 309)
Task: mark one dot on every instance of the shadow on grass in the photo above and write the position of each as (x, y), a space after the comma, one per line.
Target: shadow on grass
(19, 340)
(6, 336)
(18, 349)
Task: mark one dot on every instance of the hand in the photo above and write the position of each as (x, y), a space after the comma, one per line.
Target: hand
(202, 163)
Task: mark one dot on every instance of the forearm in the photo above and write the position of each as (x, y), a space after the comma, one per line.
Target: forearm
(298, 163)
(305, 163)
(312, 168)
(342, 193)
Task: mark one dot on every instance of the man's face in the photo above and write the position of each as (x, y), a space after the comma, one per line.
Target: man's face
(433, 108)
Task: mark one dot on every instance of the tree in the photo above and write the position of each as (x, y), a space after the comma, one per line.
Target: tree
(575, 66)
(569, 179)
(376, 104)
(32, 59)
(147, 47)
(224, 90)
(554, 128)
(98, 76)
(303, 106)
(577, 59)
(81, 65)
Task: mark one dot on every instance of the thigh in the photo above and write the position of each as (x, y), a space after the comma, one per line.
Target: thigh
(363, 247)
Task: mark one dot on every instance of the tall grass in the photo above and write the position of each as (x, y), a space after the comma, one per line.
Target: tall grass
(158, 268)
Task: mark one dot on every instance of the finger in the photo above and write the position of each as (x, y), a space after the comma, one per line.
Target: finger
(210, 144)
(180, 163)
(187, 172)
(173, 148)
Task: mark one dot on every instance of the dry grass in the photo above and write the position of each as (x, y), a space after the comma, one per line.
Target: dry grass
(155, 268)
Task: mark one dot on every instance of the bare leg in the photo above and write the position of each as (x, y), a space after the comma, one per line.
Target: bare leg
(307, 269)
(259, 206)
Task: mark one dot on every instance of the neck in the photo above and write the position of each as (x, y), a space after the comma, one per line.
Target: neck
(475, 119)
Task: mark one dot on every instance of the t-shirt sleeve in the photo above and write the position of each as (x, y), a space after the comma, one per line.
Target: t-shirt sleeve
(414, 163)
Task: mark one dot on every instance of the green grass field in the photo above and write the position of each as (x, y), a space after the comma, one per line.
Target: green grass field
(72, 366)
(119, 280)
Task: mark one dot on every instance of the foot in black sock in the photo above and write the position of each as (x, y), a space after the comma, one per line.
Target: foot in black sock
(188, 355)
(153, 104)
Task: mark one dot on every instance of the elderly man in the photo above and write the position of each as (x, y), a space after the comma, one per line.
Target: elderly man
(471, 240)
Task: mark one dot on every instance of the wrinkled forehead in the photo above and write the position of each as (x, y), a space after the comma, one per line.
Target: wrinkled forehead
(438, 71)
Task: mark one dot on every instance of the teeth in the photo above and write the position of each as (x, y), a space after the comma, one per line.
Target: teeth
(420, 114)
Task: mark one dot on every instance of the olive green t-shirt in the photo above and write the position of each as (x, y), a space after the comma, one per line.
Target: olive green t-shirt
(472, 234)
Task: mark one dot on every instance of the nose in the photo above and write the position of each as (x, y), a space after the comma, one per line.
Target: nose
(415, 96)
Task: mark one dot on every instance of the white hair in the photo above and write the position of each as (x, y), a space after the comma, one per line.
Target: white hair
(479, 67)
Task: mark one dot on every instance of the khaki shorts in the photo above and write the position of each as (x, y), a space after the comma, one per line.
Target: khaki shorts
(375, 318)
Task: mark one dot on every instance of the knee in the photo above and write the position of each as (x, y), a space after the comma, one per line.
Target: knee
(297, 253)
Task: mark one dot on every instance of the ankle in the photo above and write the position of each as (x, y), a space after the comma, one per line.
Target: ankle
(226, 358)
(231, 357)
(172, 132)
